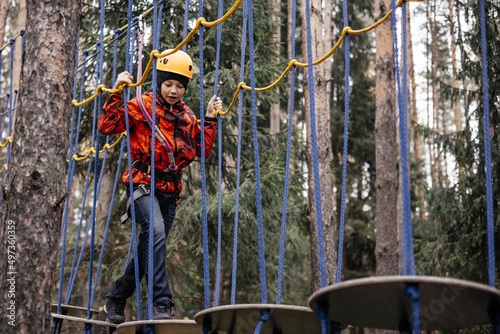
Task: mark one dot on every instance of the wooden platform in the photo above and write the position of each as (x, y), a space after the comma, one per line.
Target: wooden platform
(161, 327)
(243, 319)
(380, 302)
(73, 310)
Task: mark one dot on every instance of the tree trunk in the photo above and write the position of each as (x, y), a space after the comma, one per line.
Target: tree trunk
(18, 56)
(414, 117)
(324, 151)
(386, 248)
(276, 115)
(435, 93)
(35, 188)
(455, 98)
(4, 10)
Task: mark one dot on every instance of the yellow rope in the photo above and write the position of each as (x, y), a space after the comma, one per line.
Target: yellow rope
(8, 43)
(4, 167)
(92, 149)
(155, 53)
(202, 21)
(7, 141)
(294, 62)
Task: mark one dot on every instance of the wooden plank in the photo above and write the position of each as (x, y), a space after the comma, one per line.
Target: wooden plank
(73, 310)
(243, 319)
(161, 327)
(83, 320)
(380, 302)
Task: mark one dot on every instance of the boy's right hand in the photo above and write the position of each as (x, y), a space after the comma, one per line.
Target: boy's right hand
(122, 78)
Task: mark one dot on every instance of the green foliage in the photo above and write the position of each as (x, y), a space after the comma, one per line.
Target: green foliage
(453, 240)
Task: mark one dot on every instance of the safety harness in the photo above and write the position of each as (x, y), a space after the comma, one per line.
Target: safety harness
(143, 190)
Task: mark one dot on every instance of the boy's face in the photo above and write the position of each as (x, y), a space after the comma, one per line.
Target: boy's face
(172, 91)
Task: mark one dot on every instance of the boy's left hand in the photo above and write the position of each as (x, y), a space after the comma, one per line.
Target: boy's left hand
(214, 104)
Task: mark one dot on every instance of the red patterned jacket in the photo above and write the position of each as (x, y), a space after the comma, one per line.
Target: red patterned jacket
(177, 123)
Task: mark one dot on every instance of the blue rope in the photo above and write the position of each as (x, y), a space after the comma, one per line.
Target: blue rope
(487, 149)
(262, 260)
(203, 177)
(346, 138)
(133, 237)
(96, 168)
(322, 314)
(149, 309)
(412, 292)
(186, 18)
(314, 144)
(130, 68)
(238, 159)
(219, 147)
(264, 316)
(108, 220)
(114, 186)
(68, 181)
(71, 171)
(287, 167)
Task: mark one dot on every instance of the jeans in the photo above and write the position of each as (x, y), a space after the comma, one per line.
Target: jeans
(164, 214)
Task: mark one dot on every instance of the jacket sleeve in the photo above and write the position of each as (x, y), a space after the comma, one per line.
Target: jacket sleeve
(210, 131)
(112, 118)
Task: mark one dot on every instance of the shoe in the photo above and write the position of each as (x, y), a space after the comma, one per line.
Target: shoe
(161, 310)
(114, 309)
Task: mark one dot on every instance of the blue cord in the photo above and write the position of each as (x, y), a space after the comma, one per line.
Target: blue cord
(114, 186)
(203, 180)
(322, 314)
(287, 167)
(219, 148)
(133, 237)
(262, 260)
(238, 155)
(405, 165)
(96, 168)
(314, 144)
(347, 61)
(68, 182)
(152, 191)
(412, 292)
(264, 316)
(487, 149)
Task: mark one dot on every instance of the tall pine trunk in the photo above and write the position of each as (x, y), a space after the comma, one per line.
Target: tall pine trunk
(35, 188)
(276, 115)
(325, 152)
(455, 99)
(386, 248)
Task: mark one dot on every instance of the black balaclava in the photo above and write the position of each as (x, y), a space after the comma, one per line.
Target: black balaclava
(162, 76)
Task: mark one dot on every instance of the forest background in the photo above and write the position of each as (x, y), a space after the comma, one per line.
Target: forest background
(446, 146)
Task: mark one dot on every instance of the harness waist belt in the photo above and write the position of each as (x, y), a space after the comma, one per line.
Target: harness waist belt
(159, 174)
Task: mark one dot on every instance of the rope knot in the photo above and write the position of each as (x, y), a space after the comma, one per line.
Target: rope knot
(21, 32)
(411, 291)
(85, 53)
(88, 327)
(135, 19)
(117, 32)
(98, 44)
(264, 315)
(12, 41)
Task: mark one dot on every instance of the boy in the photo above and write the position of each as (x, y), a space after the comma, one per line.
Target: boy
(179, 126)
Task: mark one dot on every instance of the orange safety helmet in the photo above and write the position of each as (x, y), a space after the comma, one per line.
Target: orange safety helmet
(178, 62)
